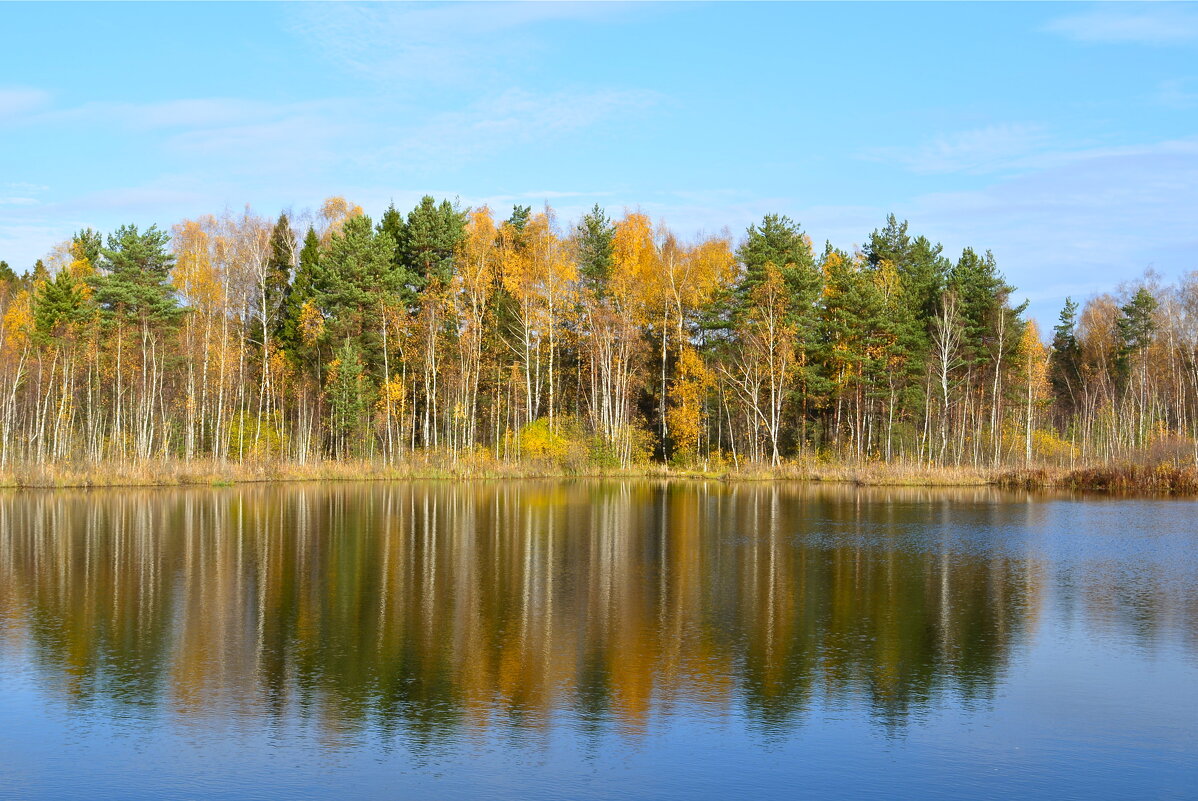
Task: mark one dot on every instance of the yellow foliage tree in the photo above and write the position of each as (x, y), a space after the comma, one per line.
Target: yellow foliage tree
(473, 283)
(692, 380)
(335, 211)
(1035, 358)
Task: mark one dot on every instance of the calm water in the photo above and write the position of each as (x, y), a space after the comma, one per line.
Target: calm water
(615, 640)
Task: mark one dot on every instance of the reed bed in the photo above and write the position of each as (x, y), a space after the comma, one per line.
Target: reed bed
(1159, 479)
(205, 472)
(1164, 478)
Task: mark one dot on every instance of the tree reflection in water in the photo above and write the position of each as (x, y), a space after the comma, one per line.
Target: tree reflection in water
(431, 609)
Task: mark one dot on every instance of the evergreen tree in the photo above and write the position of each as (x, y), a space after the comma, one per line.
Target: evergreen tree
(392, 223)
(890, 244)
(134, 283)
(852, 321)
(911, 273)
(348, 393)
(781, 242)
(920, 265)
(431, 240)
(777, 244)
(983, 295)
(6, 273)
(354, 277)
(277, 284)
(57, 304)
(298, 293)
(39, 274)
(1136, 325)
(1065, 369)
(87, 244)
(593, 238)
(520, 217)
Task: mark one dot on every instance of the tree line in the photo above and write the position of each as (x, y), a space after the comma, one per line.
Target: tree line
(452, 332)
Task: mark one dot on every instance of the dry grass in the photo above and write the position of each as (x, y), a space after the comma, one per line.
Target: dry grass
(1165, 478)
(1125, 478)
(888, 474)
(183, 473)
(208, 473)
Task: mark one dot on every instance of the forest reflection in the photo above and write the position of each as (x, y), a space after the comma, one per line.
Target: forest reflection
(433, 608)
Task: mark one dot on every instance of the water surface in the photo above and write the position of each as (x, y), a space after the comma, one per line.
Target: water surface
(592, 639)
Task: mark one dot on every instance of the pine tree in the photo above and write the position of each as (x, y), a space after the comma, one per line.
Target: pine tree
(912, 274)
(393, 225)
(520, 217)
(1136, 326)
(780, 241)
(349, 400)
(432, 238)
(134, 282)
(58, 304)
(1064, 372)
(276, 285)
(299, 293)
(778, 245)
(851, 322)
(354, 277)
(88, 243)
(919, 263)
(982, 294)
(38, 275)
(593, 238)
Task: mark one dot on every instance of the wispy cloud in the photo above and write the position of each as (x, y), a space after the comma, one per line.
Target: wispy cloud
(16, 235)
(17, 101)
(1081, 218)
(1179, 93)
(135, 199)
(411, 46)
(187, 113)
(1147, 23)
(229, 134)
(980, 150)
(23, 186)
(208, 150)
(513, 118)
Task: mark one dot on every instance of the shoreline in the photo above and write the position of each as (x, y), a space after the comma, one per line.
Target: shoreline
(1116, 479)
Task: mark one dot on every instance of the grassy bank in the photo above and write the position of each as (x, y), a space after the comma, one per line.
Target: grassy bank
(1161, 479)
(208, 473)
(1127, 478)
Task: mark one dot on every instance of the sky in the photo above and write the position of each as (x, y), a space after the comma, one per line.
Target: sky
(1062, 137)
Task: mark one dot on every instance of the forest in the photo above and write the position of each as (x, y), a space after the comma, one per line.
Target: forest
(448, 333)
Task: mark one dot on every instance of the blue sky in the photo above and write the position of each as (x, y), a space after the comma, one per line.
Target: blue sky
(1064, 137)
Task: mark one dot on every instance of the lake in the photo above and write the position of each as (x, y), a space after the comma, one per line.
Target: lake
(597, 640)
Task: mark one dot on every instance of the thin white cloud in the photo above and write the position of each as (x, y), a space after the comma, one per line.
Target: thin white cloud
(515, 117)
(980, 150)
(186, 113)
(229, 135)
(1147, 23)
(23, 186)
(16, 238)
(412, 46)
(210, 149)
(1179, 93)
(195, 114)
(16, 102)
(138, 199)
(276, 143)
(1085, 220)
